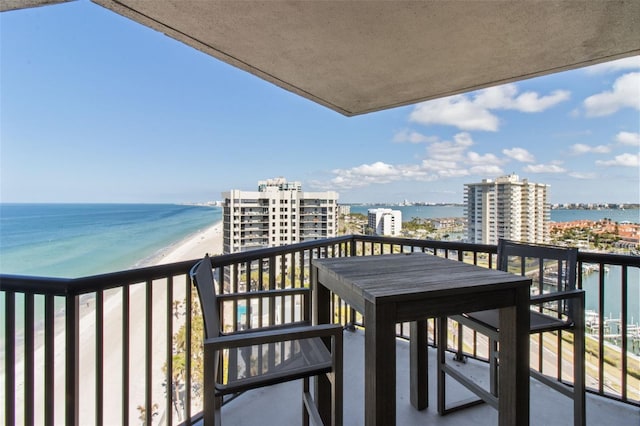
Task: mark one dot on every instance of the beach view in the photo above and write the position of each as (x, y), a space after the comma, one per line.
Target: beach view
(201, 233)
(138, 137)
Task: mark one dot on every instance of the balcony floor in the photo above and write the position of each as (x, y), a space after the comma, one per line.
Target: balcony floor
(281, 404)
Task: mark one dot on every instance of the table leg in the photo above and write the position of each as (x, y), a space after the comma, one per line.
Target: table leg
(321, 315)
(380, 365)
(419, 376)
(513, 380)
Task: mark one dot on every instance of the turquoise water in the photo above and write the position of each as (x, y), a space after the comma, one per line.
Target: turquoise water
(75, 240)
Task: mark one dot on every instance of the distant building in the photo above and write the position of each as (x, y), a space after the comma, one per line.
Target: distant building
(344, 209)
(278, 213)
(507, 208)
(385, 221)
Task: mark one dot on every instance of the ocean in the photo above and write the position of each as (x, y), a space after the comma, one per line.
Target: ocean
(76, 240)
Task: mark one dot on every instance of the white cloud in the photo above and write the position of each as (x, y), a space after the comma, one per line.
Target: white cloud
(628, 138)
(452, 172)
(486, 170)
(364, 175)
(486, 159)
(444, 159)
(413, 137)
(438, 165)
(455, 111)
(498, 97)
(450, 150)
(583, 176)
(580, 148)
(625, 93)
(376, 169)
(475, 114)
(519, 154)
(624, 160)
(618, 65)
(504, 97)
(545, 168)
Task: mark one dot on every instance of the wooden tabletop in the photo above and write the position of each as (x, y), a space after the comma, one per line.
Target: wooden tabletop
(398, 277)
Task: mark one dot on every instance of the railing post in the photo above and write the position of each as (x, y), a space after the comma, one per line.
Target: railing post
(10, 357)
(351, 325)
(99, 356)
(29, 362)
(72, 350)
(49, 353)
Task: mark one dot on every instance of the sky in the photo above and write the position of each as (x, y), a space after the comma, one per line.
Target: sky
(97, 108)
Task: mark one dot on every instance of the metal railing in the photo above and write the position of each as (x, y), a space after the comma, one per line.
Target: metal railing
(125, 347)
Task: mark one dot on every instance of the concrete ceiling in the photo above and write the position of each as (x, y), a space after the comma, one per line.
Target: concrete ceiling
(362, 56)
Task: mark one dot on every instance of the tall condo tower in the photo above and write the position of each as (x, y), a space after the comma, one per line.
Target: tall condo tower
(507, 208)
(278, 213)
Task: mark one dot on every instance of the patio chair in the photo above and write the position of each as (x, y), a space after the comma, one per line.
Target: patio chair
(259, 357)
(556, 305)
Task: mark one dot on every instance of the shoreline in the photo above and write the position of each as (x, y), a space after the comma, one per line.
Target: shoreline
(191, 247)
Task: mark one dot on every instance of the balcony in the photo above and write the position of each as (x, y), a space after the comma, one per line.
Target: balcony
(550, 408)
(102, 349)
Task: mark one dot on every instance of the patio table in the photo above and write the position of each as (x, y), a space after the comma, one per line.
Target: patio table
(394, 288)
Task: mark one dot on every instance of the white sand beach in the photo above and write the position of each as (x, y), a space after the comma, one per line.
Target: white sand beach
(192, 247)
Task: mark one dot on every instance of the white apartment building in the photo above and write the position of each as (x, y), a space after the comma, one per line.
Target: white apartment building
(507, 208)
(278, 213)
(344, 209)
(385, 221)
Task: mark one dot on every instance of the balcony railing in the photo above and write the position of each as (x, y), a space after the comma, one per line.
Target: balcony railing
(124, 347)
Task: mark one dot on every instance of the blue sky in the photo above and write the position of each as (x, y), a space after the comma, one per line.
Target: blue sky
(97, 108)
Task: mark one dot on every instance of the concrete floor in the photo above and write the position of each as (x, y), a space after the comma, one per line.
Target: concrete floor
(282, 404)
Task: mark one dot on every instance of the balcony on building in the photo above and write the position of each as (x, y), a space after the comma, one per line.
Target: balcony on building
(119, 329)
(108, 345)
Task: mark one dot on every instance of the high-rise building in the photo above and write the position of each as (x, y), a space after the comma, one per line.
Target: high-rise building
(507, 208)
(385, 221)
(278, 213)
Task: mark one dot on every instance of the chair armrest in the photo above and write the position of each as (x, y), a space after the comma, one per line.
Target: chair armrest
(284, 326)
(560, 295)
(283, 334)
(263, 294)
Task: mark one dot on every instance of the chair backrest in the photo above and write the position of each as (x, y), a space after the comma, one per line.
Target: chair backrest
(202, 277)
(551, 268)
